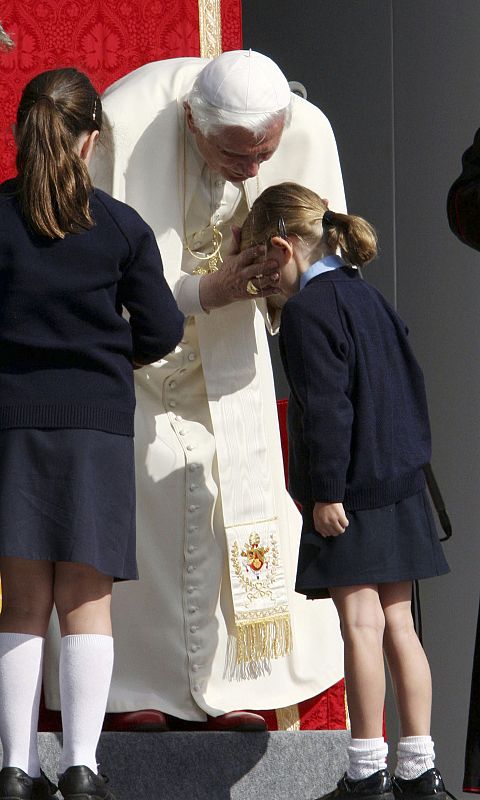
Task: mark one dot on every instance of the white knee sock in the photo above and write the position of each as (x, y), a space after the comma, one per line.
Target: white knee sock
(86, 662)
(415, 754)
(21, 656)
(366, 756)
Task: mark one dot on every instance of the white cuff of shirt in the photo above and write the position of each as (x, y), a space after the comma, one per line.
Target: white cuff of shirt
(187, 295)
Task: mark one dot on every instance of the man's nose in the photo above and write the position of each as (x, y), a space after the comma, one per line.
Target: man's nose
(252, 168)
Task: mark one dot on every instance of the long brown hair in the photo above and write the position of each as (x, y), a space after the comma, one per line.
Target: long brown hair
(56, 107)
(302, 212)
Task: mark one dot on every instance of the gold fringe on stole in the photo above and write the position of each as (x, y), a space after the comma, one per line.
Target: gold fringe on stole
(270, 637)
(210, 28)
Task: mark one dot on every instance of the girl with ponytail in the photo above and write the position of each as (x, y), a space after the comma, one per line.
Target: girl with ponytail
(58, 122)
(71, 258)
(359, 438)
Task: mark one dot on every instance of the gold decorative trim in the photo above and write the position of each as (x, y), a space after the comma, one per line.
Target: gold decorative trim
(210, 26)
(347, 715)
(246, 617)
(288, 718)
(254, 522)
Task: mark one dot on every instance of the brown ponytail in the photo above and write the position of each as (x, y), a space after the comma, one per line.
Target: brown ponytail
(303, 212)
(53, 181)
(354, 236)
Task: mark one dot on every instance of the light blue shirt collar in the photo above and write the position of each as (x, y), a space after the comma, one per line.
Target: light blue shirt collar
(323, 265)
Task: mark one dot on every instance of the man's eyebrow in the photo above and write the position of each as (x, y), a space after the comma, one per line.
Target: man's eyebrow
(235, 153)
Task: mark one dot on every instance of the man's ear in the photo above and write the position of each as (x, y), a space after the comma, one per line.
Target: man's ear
(285, 246)
(189, 117)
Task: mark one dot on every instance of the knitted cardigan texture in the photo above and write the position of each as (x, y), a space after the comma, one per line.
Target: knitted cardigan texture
(66, 350)
(357, 417)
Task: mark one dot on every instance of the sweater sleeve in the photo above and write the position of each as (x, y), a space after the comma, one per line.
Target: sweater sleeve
(463, 202)
(155, 319)
(317, 360)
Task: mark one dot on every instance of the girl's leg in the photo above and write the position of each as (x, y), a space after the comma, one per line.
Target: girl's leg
(411, 681)
(362, 624)
(406, 660)
(27, 598)
(82, 598)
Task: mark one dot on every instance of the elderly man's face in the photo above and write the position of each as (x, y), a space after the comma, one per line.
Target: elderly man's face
(236, 153)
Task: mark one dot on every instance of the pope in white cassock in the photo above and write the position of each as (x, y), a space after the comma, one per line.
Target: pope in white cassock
(214, 625)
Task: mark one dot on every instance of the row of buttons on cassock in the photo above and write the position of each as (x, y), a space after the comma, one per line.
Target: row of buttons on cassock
(182, 431)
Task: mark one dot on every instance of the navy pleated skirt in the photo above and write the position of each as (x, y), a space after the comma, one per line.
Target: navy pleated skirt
(69, 495)
(398, 542)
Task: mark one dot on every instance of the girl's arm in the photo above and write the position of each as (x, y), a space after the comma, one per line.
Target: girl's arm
(318, 365)
(155, 320)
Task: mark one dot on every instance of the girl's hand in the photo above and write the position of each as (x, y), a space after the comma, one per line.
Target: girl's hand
(329, 519)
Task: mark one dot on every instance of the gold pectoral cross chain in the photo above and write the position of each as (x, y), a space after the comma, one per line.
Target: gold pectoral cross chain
(214, 258)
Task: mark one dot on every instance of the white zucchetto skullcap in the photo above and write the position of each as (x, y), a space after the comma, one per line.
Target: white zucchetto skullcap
(244, 82)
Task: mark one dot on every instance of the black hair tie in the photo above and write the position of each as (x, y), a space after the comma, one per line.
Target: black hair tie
(47, 97)
(328, 219)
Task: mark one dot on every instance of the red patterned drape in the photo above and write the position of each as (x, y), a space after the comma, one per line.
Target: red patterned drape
(104, 38)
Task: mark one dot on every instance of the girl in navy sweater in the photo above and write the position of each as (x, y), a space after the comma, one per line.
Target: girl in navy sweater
(71, 259)
(358, 439)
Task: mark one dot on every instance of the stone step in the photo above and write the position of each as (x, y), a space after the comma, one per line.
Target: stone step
(296, 765)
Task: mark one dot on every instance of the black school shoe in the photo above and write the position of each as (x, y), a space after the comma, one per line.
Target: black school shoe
(428, 786)
(80, 783)
(15, 784)
(43, 788)
(376, 787)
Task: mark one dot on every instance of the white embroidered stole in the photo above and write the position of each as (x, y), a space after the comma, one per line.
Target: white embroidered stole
(228, 345)
(262, 618)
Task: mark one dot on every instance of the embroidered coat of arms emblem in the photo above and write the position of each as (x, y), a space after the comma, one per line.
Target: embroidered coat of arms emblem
(255, 554)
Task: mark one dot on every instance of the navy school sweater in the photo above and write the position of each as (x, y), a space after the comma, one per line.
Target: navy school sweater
(357, 418)
(66, 351)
